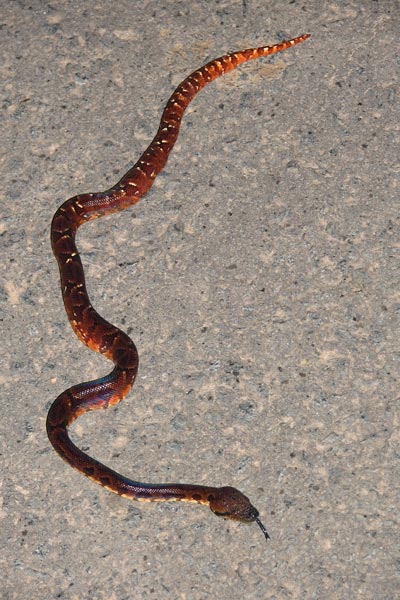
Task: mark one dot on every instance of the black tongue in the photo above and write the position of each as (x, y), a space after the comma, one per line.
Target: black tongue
(261, 526)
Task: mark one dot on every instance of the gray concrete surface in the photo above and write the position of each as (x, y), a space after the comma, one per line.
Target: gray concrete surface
(259, 280)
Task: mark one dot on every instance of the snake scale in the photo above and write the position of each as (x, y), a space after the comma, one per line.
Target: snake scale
(105, 338)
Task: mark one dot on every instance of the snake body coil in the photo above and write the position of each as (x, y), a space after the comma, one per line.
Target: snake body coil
(105, 338)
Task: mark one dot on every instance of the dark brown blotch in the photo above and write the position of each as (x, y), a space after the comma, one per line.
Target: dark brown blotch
(89, 471)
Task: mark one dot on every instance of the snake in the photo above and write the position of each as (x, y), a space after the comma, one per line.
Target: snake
(107, 339)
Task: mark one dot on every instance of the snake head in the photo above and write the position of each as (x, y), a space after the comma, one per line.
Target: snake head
(229, 503)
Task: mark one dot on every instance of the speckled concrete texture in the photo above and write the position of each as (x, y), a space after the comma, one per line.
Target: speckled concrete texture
(259, 279)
